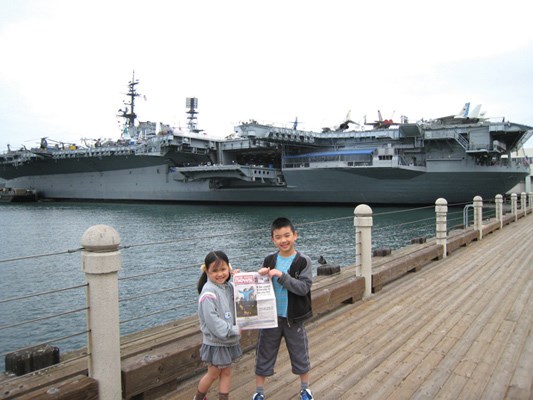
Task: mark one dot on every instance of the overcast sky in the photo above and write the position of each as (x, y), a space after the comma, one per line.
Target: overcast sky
(65, 65)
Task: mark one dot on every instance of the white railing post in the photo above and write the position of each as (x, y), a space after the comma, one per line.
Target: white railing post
(363, 245)
(441, 225)
(514, 208)
(100, 260)
(478, 216)
(523, 204)
(499, 209)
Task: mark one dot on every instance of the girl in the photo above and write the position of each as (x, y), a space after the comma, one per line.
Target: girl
(220, 344)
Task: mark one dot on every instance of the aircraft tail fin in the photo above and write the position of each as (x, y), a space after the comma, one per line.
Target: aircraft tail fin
(349, 115)
(475, 112)
(463, 113)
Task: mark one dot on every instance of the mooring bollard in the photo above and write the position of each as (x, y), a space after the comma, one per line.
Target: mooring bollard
(363, 245)
(441, 225)
(100, 260)
(523, 204)
(20, 362)
(514, 208)
(478, 216)
(499, 209)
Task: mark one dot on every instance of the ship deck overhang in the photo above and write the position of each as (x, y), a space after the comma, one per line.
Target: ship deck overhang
(240, 172)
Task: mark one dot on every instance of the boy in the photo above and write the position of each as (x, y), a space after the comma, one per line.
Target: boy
(292, 277)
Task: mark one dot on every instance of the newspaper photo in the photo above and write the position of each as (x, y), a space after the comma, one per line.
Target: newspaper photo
(255, 301)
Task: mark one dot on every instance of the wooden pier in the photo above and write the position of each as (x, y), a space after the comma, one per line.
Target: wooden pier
(460, 328)
(434, 327)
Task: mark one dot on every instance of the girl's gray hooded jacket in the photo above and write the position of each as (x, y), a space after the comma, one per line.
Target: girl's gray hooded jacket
(217, 315)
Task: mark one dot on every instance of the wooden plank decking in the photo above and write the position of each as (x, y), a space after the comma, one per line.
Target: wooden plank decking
(461, 328)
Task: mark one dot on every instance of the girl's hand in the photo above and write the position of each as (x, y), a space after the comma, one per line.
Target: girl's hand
(263, 271)
(235, 271)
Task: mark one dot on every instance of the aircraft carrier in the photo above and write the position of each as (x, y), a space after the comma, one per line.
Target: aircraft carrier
(455, 157)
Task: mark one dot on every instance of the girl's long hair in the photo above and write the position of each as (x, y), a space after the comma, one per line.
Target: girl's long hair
(215, 257)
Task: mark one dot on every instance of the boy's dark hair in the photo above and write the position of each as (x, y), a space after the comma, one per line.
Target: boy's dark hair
(216, 257)
(281, 222)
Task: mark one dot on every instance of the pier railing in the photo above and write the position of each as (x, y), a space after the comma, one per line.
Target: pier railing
(101, 262)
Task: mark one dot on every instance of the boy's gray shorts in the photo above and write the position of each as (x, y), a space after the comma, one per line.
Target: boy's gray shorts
(268, 344)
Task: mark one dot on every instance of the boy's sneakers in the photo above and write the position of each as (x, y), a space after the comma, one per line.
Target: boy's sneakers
(306, 395)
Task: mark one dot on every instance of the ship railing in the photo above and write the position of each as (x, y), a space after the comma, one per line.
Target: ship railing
(256, 129)
(291, 134)
(382, 134)
(286, 134)
(148, 293)
(402, 160)
(461, 140)
(92, 152)
(327, 164)
(17, 157)
(410, 161)
(445, 134)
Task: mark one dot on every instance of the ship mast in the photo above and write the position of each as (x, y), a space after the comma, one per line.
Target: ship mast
(129, 113)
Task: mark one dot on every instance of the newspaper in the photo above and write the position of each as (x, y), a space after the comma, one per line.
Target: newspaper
(255, 301)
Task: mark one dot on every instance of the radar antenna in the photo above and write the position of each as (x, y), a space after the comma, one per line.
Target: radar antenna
(192, 104)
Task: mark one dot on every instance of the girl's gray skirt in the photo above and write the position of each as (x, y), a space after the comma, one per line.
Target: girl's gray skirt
(220, 356)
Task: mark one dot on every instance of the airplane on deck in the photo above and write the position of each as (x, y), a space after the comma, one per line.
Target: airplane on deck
(464, 115)
(382, 123)
(343, 125)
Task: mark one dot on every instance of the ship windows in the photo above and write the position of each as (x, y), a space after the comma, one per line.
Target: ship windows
(353, 156)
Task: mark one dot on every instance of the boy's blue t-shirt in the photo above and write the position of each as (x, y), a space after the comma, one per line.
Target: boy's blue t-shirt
(282, 296)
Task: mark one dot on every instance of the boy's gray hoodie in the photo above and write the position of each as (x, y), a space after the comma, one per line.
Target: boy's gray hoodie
(217, 315)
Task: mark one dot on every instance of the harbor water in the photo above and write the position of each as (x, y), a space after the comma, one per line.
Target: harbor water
(163, 247)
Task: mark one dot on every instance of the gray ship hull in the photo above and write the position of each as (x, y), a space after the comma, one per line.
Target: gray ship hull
(392, 186)
(312, 186)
